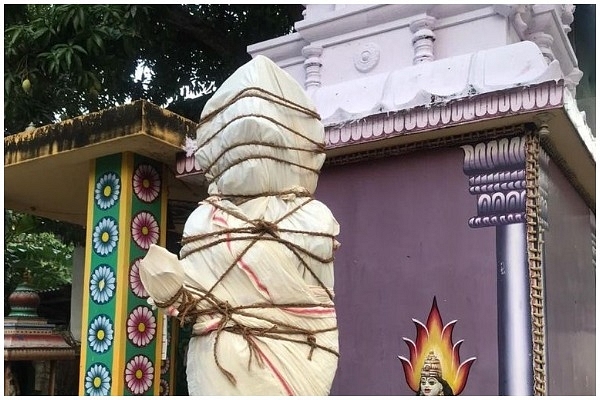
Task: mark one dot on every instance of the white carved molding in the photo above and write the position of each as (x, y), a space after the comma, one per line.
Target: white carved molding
(423, 38)
(367, 57)
(312, 66)
(520, 16)
(405, 122)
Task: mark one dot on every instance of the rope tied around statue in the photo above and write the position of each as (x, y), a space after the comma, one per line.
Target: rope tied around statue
(193, 303)
(310, 145)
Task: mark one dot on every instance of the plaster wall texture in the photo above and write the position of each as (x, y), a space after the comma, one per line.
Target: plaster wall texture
(570, 292)
(405, 239)
(483, 33)
(395, 52)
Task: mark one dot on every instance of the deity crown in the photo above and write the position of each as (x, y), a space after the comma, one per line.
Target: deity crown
(432, 366)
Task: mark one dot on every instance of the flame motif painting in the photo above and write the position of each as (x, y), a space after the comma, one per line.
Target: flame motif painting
(433, 354)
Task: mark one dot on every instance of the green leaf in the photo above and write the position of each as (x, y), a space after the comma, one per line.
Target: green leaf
(98, 40)
(41, 32)
(69, 56)
(79, 48)
(81, 18)
(18, 31)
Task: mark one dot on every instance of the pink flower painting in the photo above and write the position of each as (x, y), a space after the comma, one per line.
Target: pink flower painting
(141, 326)
(144, 229)
(146, 183)
(135, 282)
(139, 373)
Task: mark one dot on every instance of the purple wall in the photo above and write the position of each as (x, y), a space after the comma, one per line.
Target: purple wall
(570, 292)
(405, 239)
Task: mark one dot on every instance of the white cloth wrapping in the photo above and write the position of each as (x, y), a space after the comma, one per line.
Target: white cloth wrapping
(250, 119)
(272, 272)
(268, 272)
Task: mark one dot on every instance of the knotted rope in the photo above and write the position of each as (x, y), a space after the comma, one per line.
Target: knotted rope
(193, 303)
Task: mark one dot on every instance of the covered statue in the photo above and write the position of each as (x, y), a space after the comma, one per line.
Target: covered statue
(255, 271)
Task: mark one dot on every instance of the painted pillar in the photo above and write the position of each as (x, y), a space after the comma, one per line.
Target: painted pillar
(122, 337)
(496, 171)
(514, 319)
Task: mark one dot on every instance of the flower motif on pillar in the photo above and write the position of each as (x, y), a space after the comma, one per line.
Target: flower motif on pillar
(123, 336)
(97, 380)
(312, 66)
(423, 38)
(496, 171)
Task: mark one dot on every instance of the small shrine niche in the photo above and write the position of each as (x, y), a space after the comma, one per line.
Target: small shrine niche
(33, 347)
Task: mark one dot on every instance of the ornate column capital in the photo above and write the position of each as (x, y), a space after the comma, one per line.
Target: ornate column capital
(496, 171)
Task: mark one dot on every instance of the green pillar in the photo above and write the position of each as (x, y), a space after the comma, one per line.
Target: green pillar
(122, 337)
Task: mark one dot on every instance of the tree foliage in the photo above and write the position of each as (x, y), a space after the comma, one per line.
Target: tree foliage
(61, 61)
(29, 247)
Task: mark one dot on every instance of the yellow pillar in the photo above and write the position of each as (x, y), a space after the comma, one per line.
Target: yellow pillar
(121, 335)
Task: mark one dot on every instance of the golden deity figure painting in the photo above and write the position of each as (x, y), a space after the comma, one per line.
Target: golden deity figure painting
(433, 367)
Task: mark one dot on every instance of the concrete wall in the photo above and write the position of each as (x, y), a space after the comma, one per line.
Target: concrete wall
(570, 292)
(405, 239)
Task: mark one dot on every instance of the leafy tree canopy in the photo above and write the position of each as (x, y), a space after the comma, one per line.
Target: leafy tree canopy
(62, 61)
(30, 247)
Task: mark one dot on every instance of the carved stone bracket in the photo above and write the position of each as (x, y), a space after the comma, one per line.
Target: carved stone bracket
(496, 171)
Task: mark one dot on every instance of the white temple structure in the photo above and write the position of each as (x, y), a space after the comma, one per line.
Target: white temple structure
(394, 79)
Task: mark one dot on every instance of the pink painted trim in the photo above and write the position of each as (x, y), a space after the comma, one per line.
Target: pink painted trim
(185, 165)
(477, 108)
(482, 107)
